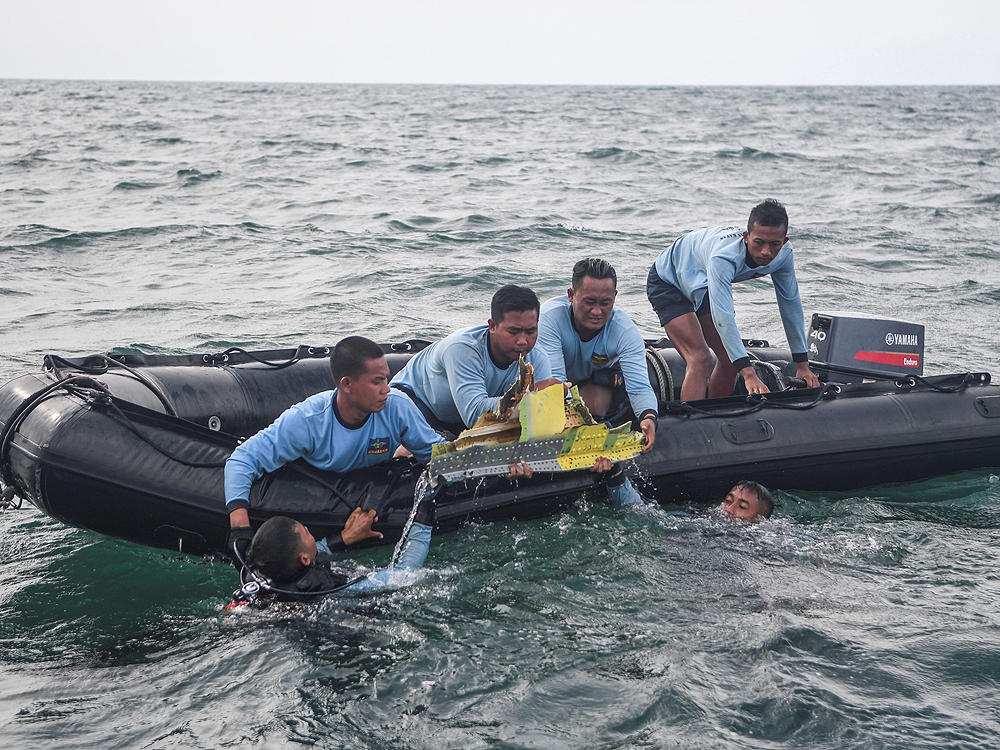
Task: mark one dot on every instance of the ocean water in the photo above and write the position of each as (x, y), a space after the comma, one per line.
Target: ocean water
(192, 217)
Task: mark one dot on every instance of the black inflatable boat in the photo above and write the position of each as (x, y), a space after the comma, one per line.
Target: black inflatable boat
(133, 446)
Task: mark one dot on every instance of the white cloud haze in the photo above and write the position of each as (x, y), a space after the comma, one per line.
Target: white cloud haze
(516, 41)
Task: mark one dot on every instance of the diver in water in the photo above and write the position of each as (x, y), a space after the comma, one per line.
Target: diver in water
(748, 501)
(690, 287)
(286, 563)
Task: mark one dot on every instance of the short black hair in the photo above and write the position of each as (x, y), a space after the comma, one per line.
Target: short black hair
(512, 298)
(764, 497)
(275, 550)
(595, 268)
(768, 213)
(351, 356)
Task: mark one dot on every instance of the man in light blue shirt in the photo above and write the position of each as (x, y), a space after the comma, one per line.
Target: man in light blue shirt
(690, 288)
(458, 379)
(360, 423)
(597, 347)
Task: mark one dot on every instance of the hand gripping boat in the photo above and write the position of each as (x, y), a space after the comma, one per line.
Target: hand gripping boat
(134, 445)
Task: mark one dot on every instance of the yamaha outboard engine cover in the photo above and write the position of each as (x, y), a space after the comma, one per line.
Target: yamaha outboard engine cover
(850, 345)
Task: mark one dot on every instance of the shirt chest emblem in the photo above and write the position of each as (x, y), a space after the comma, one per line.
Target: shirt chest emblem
(377, 446)
(599, 359)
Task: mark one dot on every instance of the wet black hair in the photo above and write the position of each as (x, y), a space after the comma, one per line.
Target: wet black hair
(764, 497)
(768, 213)
(275, 550)
(595, 268)
(351, 356)
(512, 298)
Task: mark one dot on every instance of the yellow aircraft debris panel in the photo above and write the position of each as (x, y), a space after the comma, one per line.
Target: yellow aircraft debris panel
(549, 431)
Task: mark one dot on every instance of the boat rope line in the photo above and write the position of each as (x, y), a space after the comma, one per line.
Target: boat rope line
(223, 357)
(55, 364)
(828, 391)
(17, 417)
(116, 414)
(756, 403)
(86, 387)
(307, 471)
(908, 381)
(300, 467)
(664, 378)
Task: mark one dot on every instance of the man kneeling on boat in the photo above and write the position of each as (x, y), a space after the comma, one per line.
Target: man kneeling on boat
(458, 379)
(598, 347)
(286, 563)
(361, 423)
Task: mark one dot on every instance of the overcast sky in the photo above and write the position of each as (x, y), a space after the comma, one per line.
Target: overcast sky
(514, 41)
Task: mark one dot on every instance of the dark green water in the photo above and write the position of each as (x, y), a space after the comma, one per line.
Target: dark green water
(174, 217)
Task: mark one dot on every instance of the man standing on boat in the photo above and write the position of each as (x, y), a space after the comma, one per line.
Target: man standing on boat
(597, 347)
(360, 423)
(690, 288)
(458, 379)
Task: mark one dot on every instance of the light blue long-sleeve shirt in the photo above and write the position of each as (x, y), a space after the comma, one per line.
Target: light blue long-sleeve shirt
(312, 430)
(458, 379)
(712, 260)
(575, 360)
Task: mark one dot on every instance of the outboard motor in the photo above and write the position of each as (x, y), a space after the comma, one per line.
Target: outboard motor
(856, 348)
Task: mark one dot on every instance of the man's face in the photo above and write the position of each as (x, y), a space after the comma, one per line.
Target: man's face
(515, 334)
(741, 504)
(370, 390)
(307, 552)
(765, 242)
(592, 304)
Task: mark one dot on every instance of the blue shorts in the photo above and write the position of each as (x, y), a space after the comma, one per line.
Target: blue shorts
(669, 302)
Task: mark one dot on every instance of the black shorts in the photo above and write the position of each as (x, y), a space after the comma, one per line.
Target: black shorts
(669, 302)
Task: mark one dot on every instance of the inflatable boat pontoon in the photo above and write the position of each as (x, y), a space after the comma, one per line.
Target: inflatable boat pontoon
(133, 446)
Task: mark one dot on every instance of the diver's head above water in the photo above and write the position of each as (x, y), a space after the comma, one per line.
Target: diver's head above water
(282, 549)
(748, 501)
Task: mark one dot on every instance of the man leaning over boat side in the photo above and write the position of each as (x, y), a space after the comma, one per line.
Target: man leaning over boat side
(458, 379)
(690, 287)
(598, 347)
(358, 424)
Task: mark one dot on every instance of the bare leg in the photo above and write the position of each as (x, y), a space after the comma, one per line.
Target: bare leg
(724, 375)
(687, 335)
(597, 398)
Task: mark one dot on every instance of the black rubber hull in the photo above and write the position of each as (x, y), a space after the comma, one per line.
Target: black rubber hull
(127, 470)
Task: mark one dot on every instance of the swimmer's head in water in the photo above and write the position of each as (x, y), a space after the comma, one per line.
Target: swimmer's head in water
(748, 501)
(282, 549)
